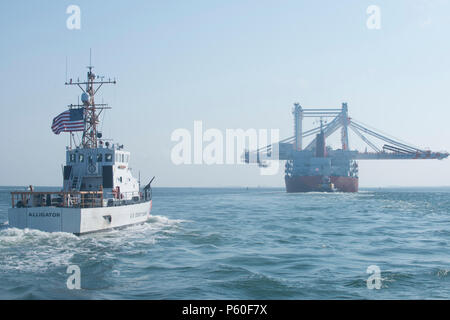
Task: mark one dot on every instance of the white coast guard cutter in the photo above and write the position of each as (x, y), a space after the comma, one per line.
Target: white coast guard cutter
(99, 192)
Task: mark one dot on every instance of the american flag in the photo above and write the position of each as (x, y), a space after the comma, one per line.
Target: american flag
(68, 121)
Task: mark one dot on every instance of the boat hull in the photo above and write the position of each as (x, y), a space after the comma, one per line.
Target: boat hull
(314, 183)
(79, 220)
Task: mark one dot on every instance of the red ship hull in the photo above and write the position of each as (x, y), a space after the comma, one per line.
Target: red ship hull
(314, 183)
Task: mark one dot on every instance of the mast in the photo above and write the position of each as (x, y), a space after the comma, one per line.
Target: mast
(298, 130)
(92, 110)
(344, 130)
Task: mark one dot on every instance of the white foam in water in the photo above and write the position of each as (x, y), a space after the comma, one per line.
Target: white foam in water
(442, 273)
(166, 221)
(33, 250)
(37, 251)
(160, 222)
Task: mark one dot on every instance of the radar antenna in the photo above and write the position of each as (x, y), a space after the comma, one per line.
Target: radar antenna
(92, 110)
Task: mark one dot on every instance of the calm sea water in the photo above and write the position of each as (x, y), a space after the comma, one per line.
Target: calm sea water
(244, 244)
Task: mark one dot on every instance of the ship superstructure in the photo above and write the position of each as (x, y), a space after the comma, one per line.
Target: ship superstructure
(99, 191)
(317, 167)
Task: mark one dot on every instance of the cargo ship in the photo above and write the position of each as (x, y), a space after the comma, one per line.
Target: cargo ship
(316, 167)
(99, 191)
(321, 170)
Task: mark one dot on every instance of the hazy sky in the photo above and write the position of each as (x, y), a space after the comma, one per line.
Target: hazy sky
(231, 64)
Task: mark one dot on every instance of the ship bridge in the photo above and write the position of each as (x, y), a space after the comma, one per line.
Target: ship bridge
(102, 168)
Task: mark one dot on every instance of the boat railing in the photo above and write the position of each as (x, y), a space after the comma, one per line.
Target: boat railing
(113, 199)
(75, 199)
(72, 199)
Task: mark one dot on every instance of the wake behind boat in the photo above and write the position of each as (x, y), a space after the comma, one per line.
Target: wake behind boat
(99, 191)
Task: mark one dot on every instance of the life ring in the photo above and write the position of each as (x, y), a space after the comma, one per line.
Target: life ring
(92, 168)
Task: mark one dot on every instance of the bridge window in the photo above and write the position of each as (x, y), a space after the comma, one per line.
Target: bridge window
(99, 157)
(81, 158)
(108, 157)
(73, 157)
